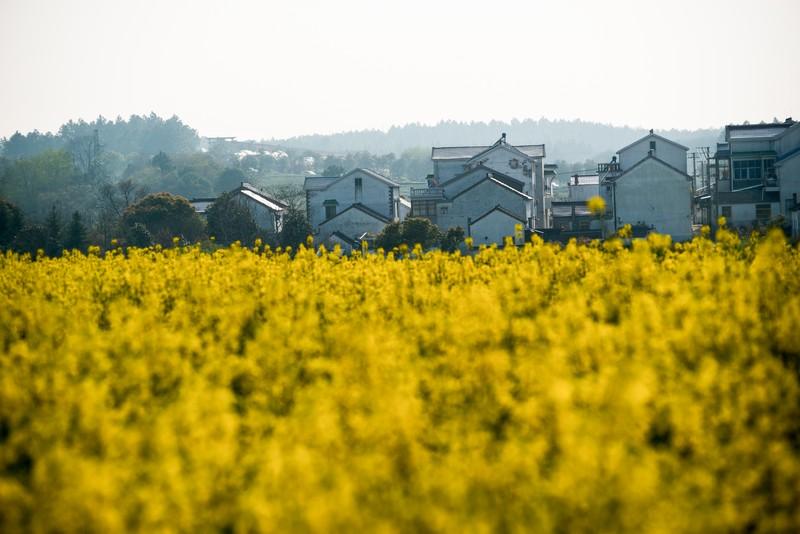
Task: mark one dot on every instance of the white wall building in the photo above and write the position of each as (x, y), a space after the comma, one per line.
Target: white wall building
(376, 199)
(267, 212)
(524, 163)
(646, 185)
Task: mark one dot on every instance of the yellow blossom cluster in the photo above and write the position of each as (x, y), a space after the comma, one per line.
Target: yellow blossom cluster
(639, 386)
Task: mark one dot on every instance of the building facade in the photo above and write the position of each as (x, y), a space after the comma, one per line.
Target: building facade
(361, 201)
(753, 177)
(472, 186)
(646, 185)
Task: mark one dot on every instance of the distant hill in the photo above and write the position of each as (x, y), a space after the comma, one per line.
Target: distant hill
(574, 140)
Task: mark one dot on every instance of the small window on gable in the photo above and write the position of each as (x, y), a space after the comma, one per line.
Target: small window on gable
(330, 209)
(359, 189)
(514, 163)
(653, 146)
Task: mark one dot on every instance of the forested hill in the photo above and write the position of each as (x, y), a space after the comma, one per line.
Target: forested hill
(566, 140)
(143, 134)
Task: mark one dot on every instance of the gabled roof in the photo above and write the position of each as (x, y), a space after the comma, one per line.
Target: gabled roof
(469, 152)
(640, 162)
(362, 208)
(313, 183)
(508, 180)
(343, 237)
(788, 155)
(670, 141)
(255, 194)
(503, 145)
(490, 178)
(500, 209)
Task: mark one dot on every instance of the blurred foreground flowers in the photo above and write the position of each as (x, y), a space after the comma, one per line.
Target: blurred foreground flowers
(585, 388)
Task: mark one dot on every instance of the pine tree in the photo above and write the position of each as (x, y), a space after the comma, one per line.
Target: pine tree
(76, 233)
(53, 230)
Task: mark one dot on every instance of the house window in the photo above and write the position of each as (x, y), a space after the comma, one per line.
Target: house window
(514, 163)
(727, 212)
(769, 169)
(653, 146)
(763, 212)
(423, 208)
(330, 209)
(749, 169)
(359, 189)
(443, 210)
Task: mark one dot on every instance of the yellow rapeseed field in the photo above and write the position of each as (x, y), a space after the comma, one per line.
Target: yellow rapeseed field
(601, 387)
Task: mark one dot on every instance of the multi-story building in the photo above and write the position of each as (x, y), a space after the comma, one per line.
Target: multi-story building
(571, 217)
(646, 185)
(358, 203)
(487, 190)
(754, 175)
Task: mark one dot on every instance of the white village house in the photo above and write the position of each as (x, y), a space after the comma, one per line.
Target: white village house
(354, 206)
(754, 176)
(489, 191)
(646, 185)
(267, 212)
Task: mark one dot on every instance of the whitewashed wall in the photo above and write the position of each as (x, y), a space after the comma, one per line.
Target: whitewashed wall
(353, 223)
(666, 152)
(477, 201)
(655, 195)
(376, 195)
(493, 228)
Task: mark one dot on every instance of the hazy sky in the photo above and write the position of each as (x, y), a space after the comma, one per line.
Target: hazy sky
(260, 69)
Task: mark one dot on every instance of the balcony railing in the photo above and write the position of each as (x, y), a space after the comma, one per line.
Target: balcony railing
(603, 168)
(427, 192)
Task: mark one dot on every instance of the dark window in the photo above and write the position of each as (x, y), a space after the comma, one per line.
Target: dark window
(359, 189)
(330, 209)
(763, 212)
(769, 169)
(652, 145)
(749, 169)
(443, 210)
(726, 212)
(423, 208)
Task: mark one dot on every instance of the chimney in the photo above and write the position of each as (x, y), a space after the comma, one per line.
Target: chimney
(503, 137)
(651, 131)
(789, 120)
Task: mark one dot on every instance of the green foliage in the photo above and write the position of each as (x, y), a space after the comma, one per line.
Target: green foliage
(165, 216)
(453, 239)
(295, 230)
(162, 161)
(390, 237)
(11, 222)
(229, 180)
(53, 246)
(412, 231)
(139, 134)
(31, 239)
(75, 238)
(229, 221)
(139, 236)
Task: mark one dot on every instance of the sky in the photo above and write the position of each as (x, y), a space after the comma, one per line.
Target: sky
(264, 69)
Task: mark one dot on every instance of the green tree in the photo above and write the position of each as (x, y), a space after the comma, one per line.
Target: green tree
(162, 161)
(229, 221)
(11, 222)
(418, 230)
(453, 239)
(31, 239)
(165, 216)
(229, 180)
(295, 230)
(138, 236)
(76, 233)
(53, 246)
(390, 237)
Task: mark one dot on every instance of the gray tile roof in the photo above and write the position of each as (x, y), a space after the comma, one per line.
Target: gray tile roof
(468, 152)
